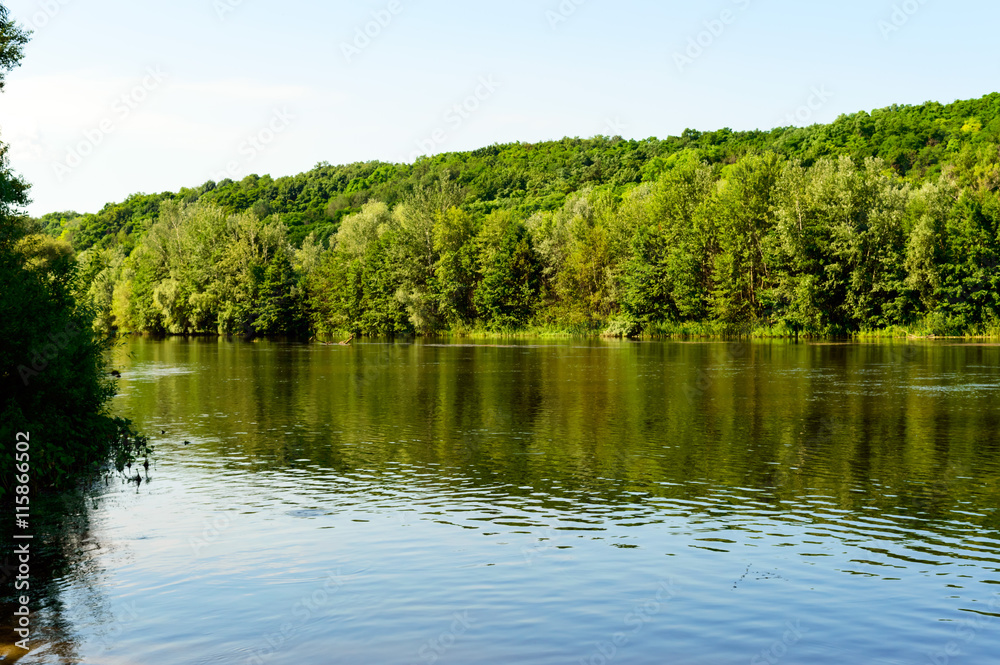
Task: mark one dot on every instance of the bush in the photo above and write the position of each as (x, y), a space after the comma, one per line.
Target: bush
(54, 379)
(622, 327)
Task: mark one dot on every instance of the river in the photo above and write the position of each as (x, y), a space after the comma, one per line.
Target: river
(539, 502)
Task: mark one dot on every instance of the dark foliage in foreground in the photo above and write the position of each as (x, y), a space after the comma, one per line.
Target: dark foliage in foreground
(54, 383)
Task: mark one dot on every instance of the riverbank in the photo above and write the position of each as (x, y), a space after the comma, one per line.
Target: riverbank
(703, 330)
(927, 329)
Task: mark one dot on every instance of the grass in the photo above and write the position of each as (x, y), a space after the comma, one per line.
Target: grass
(927, 328)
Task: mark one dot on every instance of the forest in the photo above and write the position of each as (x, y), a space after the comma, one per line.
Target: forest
(881, 223)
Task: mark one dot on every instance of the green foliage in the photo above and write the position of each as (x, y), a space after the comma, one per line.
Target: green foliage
(875, 221)
(744, 215)
(54, 382)
(917, 142)
(509, 273)
(355, 287)
(280, 304)
(839, 247)
(198, 270)
(668, 274)
(13, 39)
(454, 271)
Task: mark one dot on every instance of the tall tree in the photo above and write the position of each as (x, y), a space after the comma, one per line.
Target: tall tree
(454, 272)
(668, 275)
(509, 280)
(280, 306)
(745, 216)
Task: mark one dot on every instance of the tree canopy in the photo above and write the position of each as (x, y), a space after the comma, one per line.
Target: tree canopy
(875, 220)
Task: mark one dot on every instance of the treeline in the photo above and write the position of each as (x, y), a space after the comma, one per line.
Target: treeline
(835, 248)
(917, 142)
(873, 222)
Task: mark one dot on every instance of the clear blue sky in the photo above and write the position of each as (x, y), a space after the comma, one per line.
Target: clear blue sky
(117, 97)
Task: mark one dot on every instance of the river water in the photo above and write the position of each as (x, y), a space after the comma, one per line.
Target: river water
(539, 502)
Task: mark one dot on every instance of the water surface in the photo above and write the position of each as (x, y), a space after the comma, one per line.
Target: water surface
(552, 502)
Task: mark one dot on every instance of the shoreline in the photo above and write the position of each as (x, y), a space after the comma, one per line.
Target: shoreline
(719, 336)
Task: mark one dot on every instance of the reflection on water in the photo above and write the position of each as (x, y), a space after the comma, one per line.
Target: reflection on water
(64, 553)
(543, 503)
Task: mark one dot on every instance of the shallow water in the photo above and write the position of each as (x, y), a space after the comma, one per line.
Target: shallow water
(553, 502)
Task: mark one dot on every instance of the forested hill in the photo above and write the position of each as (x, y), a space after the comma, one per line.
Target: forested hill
(917, 141)
(881, 221)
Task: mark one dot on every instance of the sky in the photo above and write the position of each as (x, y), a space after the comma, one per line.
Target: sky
(119, 97)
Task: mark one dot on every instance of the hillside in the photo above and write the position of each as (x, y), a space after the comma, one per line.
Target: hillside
(917, 141)
(877, 220)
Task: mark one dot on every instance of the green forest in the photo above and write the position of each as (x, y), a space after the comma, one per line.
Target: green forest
(881, 223)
